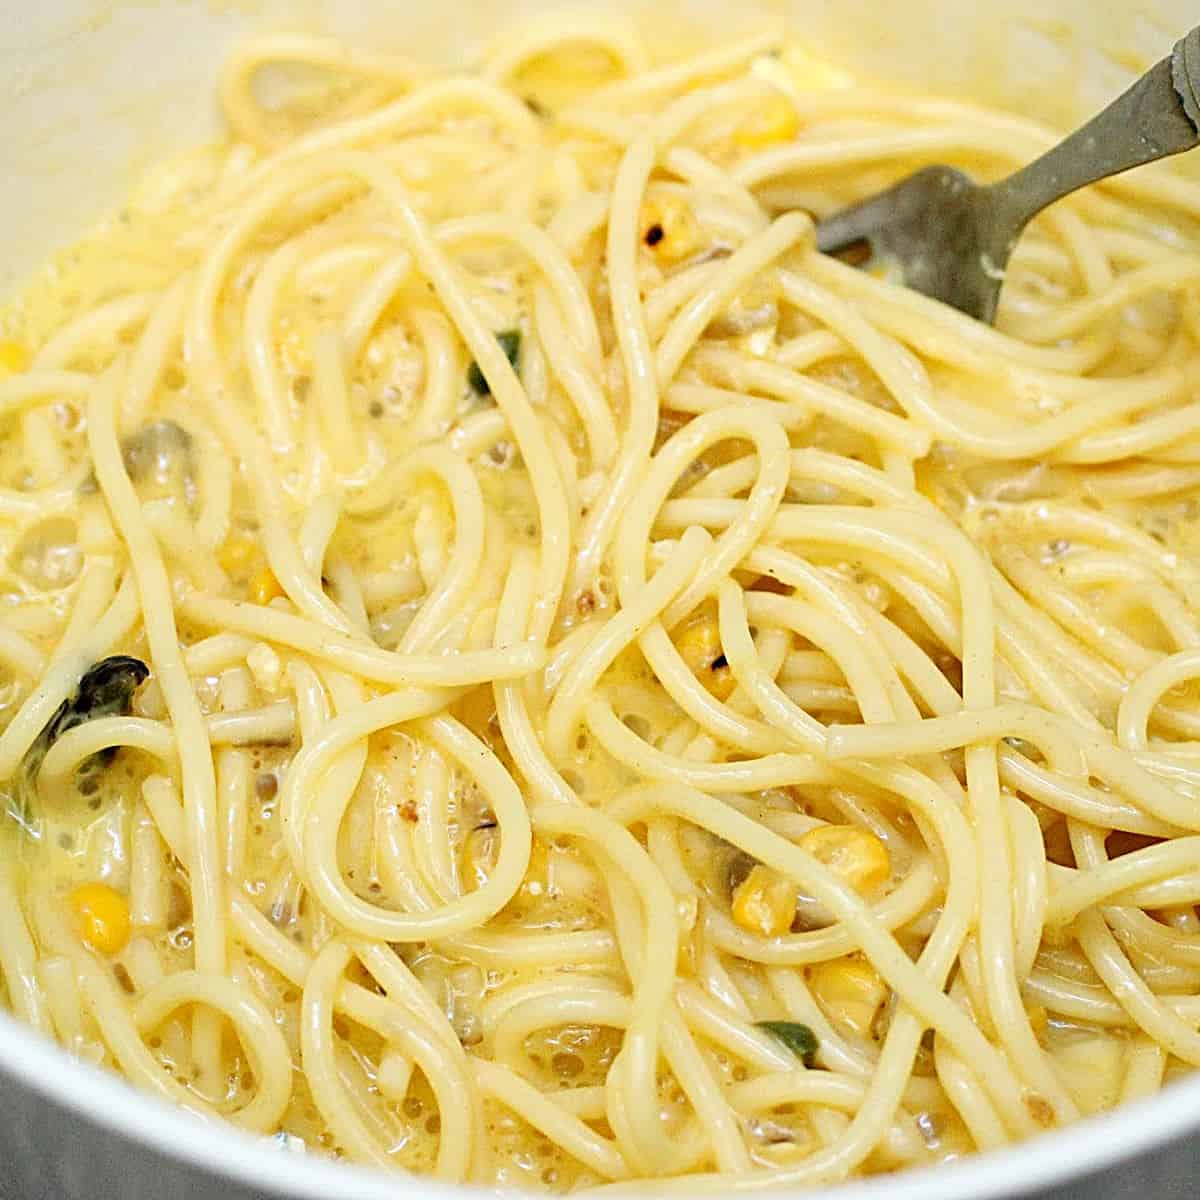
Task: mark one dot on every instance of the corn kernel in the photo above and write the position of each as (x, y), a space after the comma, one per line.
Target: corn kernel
(669, 229)
(480, 849)
(14, 357)
(699, 645)
(773, 121)
(765, 902)
(855, 855)
(264, 587)
(102, 916)
(850, 993)
(237, 554)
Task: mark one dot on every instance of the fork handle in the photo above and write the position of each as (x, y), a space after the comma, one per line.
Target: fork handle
(1158, 116)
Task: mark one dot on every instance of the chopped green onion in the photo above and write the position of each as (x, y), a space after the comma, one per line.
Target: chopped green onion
(510, 343)
(799, 1039)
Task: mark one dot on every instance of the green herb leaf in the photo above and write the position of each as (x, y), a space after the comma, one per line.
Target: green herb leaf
(799, 1039)
(510, 343)
(105, 690)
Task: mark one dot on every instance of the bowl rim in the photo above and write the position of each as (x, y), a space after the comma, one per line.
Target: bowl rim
(106, 1100)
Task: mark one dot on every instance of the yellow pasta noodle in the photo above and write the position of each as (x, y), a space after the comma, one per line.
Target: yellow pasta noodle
(515, 667)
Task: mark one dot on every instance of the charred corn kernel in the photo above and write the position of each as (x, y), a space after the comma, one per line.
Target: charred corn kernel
(237, 554)
(855, 855)
(264, 587)
(480, 849)
(102, 916)
(669, 229)
(14, 357)
(699, 645)
(850, 992)
(773, 121)
(765, 902)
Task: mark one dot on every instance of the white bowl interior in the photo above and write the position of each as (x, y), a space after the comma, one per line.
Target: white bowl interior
(1090, 1146)
(92, 89)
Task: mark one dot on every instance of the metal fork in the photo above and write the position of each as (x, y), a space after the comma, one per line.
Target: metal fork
(951, 238)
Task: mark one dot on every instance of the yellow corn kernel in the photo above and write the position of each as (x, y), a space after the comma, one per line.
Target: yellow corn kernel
(102, 916)
(264, 587)
(14, 357)
(669, 229)
(850, 993)
(699, 645)
(237, 554)
(765, 902)
(771, 122)
(480, 849)
(855, 855)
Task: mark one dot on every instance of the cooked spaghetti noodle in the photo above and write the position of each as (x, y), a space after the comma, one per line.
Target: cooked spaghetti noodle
(517, 667)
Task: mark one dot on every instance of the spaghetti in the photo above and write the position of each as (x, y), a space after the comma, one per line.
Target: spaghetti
(516, 667)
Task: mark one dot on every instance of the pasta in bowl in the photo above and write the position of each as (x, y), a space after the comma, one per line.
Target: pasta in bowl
(520, 669)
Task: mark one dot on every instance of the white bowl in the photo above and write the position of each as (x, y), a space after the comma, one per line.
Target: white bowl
(91, 89)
